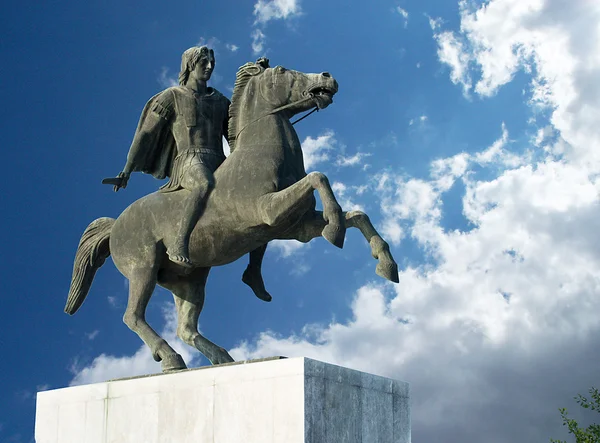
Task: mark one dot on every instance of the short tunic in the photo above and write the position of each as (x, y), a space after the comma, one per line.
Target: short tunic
(179, 106)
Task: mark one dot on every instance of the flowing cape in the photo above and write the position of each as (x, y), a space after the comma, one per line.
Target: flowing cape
(157, 156)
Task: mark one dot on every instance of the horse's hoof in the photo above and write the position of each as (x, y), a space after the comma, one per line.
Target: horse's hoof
(221, 357)
(334, 234)
(173, 362)
(388, 270)
(255, 281)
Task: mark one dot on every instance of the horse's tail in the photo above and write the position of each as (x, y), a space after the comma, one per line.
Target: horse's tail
(93, 250)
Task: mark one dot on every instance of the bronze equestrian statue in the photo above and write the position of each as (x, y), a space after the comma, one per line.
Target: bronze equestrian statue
(261, 192)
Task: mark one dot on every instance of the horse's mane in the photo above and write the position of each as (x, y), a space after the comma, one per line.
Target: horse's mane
(243, 76)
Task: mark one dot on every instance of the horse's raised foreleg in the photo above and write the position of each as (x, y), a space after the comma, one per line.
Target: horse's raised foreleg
(312, 227)
(279, 206)
(142, 282)
(188, 293)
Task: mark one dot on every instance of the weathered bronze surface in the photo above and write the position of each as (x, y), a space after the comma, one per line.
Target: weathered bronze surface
(259, 193)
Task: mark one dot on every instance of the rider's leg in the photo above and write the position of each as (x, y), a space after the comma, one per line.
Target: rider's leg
(198, 180)
(252, 275)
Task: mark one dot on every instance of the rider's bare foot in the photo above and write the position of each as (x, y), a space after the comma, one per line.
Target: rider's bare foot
(253, 278)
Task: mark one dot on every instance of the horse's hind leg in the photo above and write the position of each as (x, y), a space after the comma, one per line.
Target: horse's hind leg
(188, 293)
(142, 282)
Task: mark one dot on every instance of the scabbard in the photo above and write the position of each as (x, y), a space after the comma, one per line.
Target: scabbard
(112, 181)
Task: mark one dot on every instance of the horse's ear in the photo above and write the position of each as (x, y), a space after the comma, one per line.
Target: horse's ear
(264, 62)
(251, 69)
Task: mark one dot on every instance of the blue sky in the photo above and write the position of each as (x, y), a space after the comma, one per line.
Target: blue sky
(466, 130)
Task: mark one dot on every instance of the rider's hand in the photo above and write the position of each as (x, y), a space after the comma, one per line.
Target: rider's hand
(124, 176)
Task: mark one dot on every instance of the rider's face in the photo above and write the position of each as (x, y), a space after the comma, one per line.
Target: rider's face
(204, 67)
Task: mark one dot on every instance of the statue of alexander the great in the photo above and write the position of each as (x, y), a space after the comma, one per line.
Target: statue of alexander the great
(180, 136)
(261, 192)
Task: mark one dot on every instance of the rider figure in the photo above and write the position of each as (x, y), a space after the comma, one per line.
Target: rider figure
(180, 135)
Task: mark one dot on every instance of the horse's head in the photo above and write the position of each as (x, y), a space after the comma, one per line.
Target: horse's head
(294, 90)
(260, 91)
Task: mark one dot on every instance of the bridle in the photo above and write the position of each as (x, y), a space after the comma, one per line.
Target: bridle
(309, 96)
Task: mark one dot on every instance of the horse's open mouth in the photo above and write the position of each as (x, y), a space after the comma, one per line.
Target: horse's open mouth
(323, 96)
(322, 91)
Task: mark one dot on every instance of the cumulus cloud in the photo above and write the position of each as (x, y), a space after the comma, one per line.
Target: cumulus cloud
(267, 10)
(106, 367)
(557, 46)
(317, 150)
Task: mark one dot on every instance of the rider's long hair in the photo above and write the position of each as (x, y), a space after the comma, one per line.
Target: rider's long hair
(189, 59)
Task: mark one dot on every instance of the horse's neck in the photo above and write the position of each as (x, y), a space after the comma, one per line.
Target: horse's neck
(273, 131)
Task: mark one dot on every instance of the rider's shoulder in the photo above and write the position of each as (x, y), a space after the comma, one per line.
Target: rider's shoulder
(176, 91)
(220, 97)
(166, 96)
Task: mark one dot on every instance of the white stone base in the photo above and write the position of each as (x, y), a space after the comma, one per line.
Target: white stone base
(296, 400)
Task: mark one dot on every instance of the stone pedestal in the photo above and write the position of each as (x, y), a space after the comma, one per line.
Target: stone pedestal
(296, 400)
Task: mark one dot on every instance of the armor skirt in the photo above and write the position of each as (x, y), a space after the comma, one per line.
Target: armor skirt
(212, 160)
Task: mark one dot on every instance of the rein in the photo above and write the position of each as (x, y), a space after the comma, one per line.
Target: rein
(306, 115)
(281, 108)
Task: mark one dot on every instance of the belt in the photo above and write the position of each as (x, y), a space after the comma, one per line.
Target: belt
(200, 151)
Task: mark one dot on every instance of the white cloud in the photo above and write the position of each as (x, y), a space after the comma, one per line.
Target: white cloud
(166, 80)
(106, 367)
(232, 47)
(557, 47)
(404, 14)
(92, 335)
(422, 119)
(392, 231)
(211, 42)
(352, 160)
(452, 52)
(114, 301)
(287, 248)
(316, 150)
(342, 192)
(435, 23)
(258, 41)
(266, 10)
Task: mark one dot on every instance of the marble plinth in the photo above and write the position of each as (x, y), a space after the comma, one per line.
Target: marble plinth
(295, 400)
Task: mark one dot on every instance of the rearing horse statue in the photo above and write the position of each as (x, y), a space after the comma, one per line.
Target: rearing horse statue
(261, 193)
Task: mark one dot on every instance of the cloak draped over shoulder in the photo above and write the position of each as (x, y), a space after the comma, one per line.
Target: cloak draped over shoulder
(157, 156)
